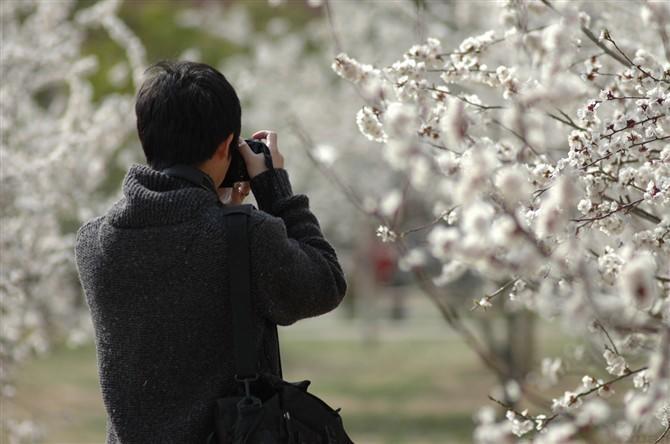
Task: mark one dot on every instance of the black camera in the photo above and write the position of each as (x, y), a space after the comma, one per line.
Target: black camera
(237, 172)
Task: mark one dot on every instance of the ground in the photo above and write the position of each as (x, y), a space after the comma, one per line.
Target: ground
(411, 381)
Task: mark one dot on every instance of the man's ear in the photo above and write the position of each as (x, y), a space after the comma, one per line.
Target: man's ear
(224, 148)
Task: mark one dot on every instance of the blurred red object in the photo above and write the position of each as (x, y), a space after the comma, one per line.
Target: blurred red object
(384, 262)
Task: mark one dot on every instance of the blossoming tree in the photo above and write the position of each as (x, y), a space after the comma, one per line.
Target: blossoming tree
(55, 151)
(542, 146)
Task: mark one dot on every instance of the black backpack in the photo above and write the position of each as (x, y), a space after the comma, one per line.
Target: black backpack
(266, 409)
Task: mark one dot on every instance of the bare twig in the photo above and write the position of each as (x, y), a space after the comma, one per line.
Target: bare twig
(549, 419)
(592, 37)
(631, 124)
(620, 150)
(610, 382)
(660, 438)
(429, 224)
(609, 38)
(331, 25)
(640, 212)
(566, 122)
(490, 297)
(602, 328)
(463, 99)
(626, 208)
(518, 136)
(438, 146)
(602, 46)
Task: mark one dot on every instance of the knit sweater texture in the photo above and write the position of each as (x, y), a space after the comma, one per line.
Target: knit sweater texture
(154, 270)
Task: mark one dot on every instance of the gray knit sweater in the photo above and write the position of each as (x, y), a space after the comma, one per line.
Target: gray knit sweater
(154, 273)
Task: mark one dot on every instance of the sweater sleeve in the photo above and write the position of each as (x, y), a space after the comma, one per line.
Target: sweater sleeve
(295, 271)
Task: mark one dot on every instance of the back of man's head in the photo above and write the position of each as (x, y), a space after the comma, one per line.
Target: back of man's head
(184, 111)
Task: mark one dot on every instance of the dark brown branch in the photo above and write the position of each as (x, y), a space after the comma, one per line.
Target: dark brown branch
(667, 429)
(640, 212)
(620, 150)
(566, 122)
(655, 139)
(610, 382)
(609, 38)
(596, 388)
(627, 207)
(438, 146)
(592, 37)
(609, 338)
(510, 408)
(632, 124)
(602, 46)
(606, 156)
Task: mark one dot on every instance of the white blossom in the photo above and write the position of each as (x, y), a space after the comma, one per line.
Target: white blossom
(386, 234)
(520, 426)
(350, 69)
(616, 364)
(569, 401)
(369, 124)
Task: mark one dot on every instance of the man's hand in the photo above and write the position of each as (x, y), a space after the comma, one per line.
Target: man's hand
(256, 162)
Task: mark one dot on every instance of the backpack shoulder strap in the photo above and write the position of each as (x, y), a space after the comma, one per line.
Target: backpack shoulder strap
(239, 271)
(240, 293)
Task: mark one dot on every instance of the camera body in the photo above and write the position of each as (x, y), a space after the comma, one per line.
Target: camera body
(237, 171)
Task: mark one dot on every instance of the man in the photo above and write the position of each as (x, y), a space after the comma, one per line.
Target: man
(154, 268)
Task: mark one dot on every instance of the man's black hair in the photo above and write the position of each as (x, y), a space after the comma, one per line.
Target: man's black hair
(184, 111)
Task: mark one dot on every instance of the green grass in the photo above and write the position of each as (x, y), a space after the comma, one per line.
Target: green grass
(395, 392)
(415, 383)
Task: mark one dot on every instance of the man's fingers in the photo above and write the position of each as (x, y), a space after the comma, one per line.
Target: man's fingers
(272, 140)
(270, 136)
(260, 134)
(245, 149)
